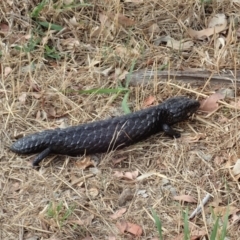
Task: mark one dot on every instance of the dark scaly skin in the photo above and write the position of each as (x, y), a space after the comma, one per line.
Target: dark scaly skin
(110, 134)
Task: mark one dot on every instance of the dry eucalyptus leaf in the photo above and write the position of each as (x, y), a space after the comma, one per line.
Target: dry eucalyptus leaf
(131, 175)
(7, 71)
(185, 198)
(123, 20)
(223, 210)
(148, 101)
(132, 228)
(179, 45)
(236, 168)
(210, 104)
(118, 213)
(86, 162)
(106, 71)
(206, 32)
(22, 98)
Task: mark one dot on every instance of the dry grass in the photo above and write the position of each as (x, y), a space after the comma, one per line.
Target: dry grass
(59, 200)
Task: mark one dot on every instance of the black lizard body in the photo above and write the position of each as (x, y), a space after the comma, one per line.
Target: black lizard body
(110, 134)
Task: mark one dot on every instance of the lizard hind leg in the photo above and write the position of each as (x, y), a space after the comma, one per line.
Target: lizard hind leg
(41, 156)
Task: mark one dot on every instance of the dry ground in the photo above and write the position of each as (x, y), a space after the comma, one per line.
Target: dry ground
(42, 71)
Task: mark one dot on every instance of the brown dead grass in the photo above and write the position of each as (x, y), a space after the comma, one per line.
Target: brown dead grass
(34, 100)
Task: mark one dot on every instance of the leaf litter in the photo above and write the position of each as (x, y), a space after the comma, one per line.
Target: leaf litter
(97, 52)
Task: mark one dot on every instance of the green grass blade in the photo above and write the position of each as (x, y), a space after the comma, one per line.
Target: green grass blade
(224, 227)
(36, 11)
(157, 223)
(51, 26)
(186, 226)
(130, 73)
(103, 91)
(125, 107)
(51, 53)
(215, 229)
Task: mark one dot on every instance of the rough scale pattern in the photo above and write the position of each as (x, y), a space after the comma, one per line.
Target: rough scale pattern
(110, 134)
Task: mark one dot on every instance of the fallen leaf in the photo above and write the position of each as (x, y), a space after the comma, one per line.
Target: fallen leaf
(223, 210)
(132, 228)
(236, 168)
(210, 104)
(148, 101)
(7, 70)
(135, 229)
(179, 45)
(185, 198)
(118, 213)
(195, 138)
(121, 19)
(183, 44)
(216, 202)
(106, 71)
(127, 175)
(206, 32)
(74, 22)
(4, 28)
(131, 175)
(22, 98)
(86, 162)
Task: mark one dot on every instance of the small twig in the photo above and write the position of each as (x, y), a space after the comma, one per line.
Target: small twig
(197, 77)
(200, 206)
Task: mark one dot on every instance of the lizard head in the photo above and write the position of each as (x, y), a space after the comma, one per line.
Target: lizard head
(180, 108)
